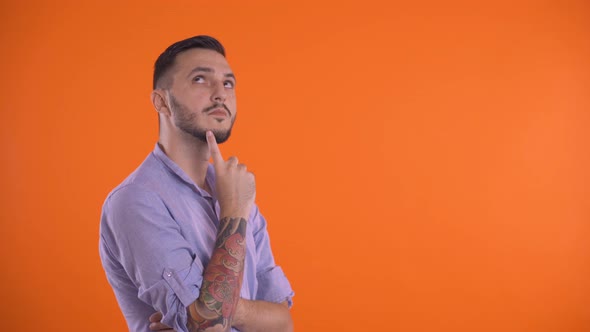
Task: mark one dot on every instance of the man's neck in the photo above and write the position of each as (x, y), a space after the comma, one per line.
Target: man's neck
(191, 155)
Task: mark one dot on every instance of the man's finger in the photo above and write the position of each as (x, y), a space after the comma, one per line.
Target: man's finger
(156, 317)
(214, 149)
(160, 327)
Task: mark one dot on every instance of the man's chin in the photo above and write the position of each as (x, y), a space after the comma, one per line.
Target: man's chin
(220, 135)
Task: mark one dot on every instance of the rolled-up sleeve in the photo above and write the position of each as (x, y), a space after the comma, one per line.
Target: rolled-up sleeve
(142, 235)
(273, 285)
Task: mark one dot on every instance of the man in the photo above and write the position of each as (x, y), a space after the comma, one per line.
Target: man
(183, 237)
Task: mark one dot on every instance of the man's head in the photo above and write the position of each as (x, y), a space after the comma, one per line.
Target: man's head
(194, 89)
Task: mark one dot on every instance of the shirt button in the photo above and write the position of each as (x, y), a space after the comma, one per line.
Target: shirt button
(168, 274)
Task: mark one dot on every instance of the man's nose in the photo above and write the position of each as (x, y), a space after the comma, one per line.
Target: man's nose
(219, 93)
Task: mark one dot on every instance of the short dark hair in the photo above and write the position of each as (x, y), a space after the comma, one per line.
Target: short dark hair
(167, 58)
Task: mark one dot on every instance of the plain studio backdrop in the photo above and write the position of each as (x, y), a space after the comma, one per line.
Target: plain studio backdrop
(423, 165)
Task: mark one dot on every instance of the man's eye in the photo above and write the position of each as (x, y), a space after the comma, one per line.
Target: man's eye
(199, 79)
(228, 84)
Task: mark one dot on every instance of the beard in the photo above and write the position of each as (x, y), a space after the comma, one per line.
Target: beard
(185, 120)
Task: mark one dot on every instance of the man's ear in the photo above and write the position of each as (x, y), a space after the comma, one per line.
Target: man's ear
(159, 101)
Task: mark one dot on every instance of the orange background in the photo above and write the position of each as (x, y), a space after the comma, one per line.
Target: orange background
(423, 165)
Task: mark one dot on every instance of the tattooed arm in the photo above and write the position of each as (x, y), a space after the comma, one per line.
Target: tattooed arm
(219, 305)
(249, 316)
(222, 279)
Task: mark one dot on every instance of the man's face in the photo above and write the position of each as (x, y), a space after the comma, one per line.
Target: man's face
(202, 94)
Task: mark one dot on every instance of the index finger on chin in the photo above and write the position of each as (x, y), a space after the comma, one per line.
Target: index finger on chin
(214, 148)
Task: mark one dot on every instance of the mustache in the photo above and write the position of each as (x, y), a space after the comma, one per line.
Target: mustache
(214, 106)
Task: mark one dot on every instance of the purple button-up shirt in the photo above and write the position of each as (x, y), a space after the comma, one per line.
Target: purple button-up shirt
(157, 233)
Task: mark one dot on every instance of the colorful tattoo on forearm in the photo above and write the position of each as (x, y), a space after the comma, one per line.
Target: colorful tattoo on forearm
(222, 279)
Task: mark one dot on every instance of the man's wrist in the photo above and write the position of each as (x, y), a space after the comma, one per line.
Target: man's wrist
(234, 215)
(241, 312)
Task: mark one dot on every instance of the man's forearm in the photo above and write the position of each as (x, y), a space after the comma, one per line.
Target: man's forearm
(222, 279)
(255, 316)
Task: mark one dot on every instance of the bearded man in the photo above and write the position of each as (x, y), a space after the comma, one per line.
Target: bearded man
(183, 237)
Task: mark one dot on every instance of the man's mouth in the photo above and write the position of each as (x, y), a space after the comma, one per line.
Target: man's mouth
(218, 110)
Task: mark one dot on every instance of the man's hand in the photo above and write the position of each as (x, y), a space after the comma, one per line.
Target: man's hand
(155, 324)
(236, 188)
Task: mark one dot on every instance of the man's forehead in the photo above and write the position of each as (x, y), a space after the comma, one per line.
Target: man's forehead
(198, 57)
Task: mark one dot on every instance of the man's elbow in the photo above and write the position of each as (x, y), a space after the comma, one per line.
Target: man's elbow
(288, 320)
(289, 325)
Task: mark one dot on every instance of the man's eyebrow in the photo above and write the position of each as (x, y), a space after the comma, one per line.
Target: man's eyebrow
(201, 69)
(231, 75)
(209, 70)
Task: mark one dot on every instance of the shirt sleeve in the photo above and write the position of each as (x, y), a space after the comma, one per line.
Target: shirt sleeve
(143, 236)
(273, 285)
